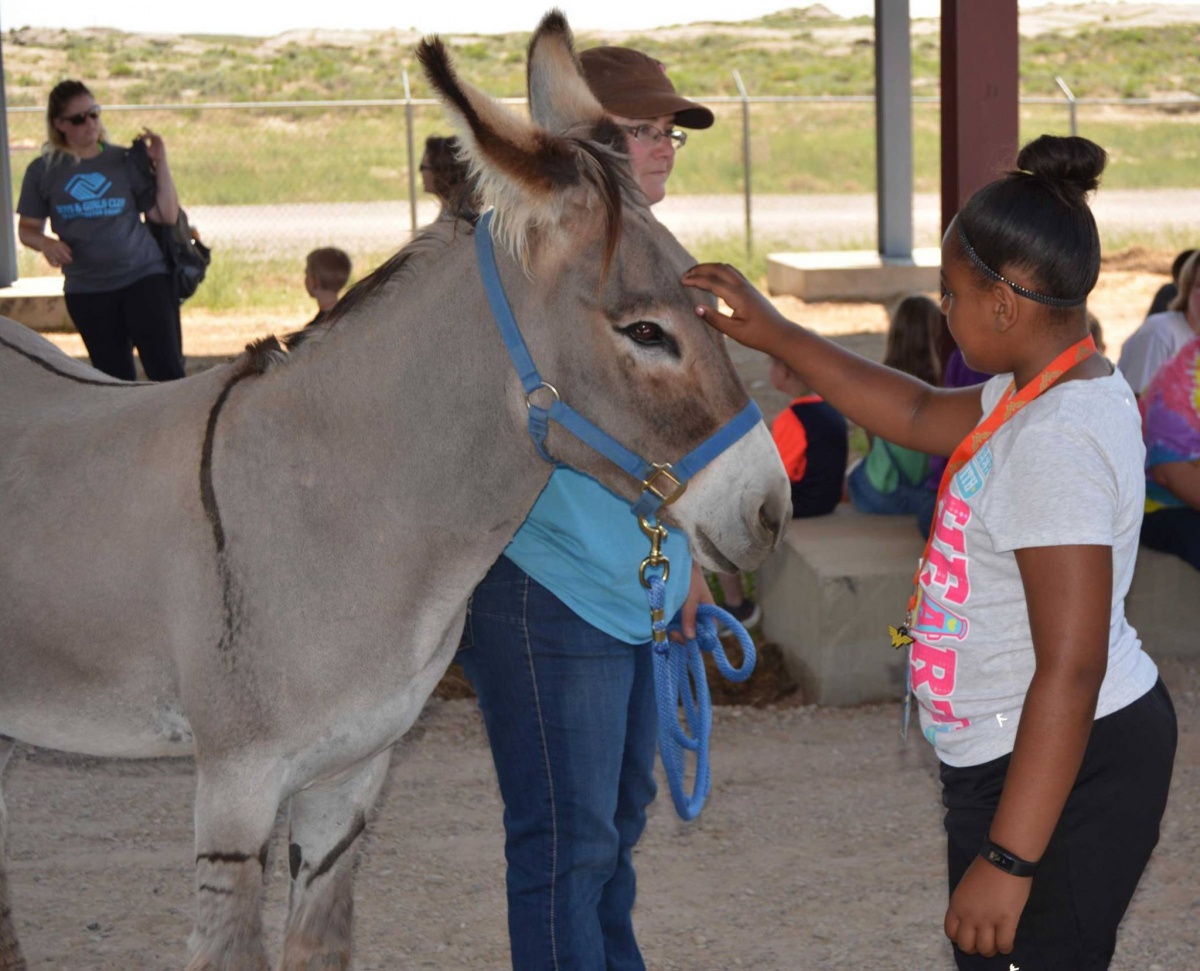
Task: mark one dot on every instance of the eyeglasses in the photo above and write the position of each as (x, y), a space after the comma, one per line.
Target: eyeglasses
(93, 113)
(652, 135)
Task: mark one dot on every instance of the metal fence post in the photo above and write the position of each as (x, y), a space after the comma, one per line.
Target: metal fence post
(8, 244)
(412, 172)
(737, 78)
(1070, 101)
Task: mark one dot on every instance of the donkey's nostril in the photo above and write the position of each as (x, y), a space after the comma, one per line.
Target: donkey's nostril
(773, 516)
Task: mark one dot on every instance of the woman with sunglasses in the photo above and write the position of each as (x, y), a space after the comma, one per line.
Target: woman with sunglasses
(118, 288)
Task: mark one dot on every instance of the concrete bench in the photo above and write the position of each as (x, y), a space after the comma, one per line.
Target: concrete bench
(830, 592)
(37, 302)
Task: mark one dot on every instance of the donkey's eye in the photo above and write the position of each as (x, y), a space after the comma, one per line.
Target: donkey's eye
(649, 334)
(645, 332)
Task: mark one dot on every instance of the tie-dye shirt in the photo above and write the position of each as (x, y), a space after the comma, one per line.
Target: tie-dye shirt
(1171, 420)
(1065, 470)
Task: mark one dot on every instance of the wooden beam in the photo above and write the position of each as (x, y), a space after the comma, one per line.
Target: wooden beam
(980, 97)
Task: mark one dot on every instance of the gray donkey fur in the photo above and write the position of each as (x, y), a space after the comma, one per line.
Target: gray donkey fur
(268, 564)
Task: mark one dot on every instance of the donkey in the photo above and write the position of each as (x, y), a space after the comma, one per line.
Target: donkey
(268, 564)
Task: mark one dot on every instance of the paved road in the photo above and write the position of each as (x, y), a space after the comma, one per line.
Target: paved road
(800, 222)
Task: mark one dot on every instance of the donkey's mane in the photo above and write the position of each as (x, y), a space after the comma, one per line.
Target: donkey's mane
(429, 241)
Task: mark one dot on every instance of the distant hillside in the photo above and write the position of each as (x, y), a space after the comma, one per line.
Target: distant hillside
(1133, 50)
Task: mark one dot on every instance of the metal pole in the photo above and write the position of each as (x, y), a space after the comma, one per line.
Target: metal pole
(737, 79)
(412, 170)
(893, 130)
(1070, 101)
(8, 242)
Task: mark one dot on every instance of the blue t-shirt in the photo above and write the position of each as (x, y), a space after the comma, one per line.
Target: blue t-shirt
(583, 544)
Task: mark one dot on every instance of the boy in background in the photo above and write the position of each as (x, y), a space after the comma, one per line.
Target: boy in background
(326, 271)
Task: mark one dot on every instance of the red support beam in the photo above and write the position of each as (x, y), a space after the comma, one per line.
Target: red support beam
(980, 97)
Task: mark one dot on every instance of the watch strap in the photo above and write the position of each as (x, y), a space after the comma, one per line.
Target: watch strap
(1008, 862)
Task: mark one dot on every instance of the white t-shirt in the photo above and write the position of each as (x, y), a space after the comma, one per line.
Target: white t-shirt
(1065, 470)
(1156, 341)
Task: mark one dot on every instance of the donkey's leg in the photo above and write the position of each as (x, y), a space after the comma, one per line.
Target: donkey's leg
(235, 813)
(10, 951)
(325, 823)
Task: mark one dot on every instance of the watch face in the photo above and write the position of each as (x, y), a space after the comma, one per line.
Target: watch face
(1003, 861)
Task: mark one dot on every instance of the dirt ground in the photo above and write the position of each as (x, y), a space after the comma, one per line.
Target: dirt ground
(820, 848)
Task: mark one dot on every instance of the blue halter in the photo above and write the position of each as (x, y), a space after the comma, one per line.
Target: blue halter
(655, 479)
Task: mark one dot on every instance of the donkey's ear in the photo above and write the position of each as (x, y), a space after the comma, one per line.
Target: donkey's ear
(499, 144)
(533, 175)
(559, 97)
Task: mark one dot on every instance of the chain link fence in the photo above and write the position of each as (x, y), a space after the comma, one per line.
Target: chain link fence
(267, 182)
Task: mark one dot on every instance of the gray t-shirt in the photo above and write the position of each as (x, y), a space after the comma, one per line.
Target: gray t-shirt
(1065, 470)
(94, 206)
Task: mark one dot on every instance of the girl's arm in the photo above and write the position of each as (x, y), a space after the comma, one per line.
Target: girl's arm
(32, 233)
(886, 402)
(166, 202)
(1068, 590)
(1181, 478)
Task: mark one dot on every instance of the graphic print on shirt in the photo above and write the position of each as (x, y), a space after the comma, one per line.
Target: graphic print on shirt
(89, 189)
(944, 584)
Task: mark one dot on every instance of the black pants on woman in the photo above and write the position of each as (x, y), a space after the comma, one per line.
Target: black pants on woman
(1098, 851)
(144, 315)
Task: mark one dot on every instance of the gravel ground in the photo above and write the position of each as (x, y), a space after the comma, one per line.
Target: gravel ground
(820, 848)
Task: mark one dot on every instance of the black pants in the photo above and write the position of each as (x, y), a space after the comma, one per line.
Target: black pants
(1175, 531)
(1099, 849)
(144, 315)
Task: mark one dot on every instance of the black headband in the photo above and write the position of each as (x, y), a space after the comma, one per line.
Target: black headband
(1061, 302)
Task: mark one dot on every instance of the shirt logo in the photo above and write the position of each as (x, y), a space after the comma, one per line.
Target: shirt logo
(92, 185)
(971, 477)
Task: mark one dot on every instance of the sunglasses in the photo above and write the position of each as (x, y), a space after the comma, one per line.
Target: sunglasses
(93, 113)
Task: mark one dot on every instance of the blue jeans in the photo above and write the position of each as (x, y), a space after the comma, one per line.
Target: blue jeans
(904, 500)
(570, 715)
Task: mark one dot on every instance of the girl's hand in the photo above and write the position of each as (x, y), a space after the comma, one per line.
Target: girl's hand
(985, 908)
(156, 148)
(57, 252)
(754, 321)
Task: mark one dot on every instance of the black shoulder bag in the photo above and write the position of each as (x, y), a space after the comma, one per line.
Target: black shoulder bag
(186, 256)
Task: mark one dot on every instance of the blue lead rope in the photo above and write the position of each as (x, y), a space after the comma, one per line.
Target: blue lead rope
(680, 682)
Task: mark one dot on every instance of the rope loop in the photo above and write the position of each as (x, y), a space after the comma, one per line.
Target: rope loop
(682, 695)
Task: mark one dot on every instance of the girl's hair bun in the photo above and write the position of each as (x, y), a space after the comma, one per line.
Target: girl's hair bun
(1068, 161)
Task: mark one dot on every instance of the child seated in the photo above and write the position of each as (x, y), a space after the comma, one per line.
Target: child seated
(326, 271)
(891, 480)
(813, 441)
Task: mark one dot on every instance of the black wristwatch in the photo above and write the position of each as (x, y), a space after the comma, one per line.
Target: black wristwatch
(1010, 863)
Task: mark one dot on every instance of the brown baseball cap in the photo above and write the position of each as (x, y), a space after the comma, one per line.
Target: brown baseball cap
(635, 85)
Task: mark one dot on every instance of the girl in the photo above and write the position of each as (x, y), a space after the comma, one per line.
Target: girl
(1055, 735)
(891, 479)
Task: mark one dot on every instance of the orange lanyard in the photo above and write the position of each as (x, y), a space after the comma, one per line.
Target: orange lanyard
(1008, 405)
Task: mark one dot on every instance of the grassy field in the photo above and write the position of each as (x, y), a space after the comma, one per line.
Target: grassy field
(259, 156)
(232, 157)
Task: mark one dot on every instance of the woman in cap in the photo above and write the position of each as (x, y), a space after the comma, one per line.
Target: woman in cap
(557, 645)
